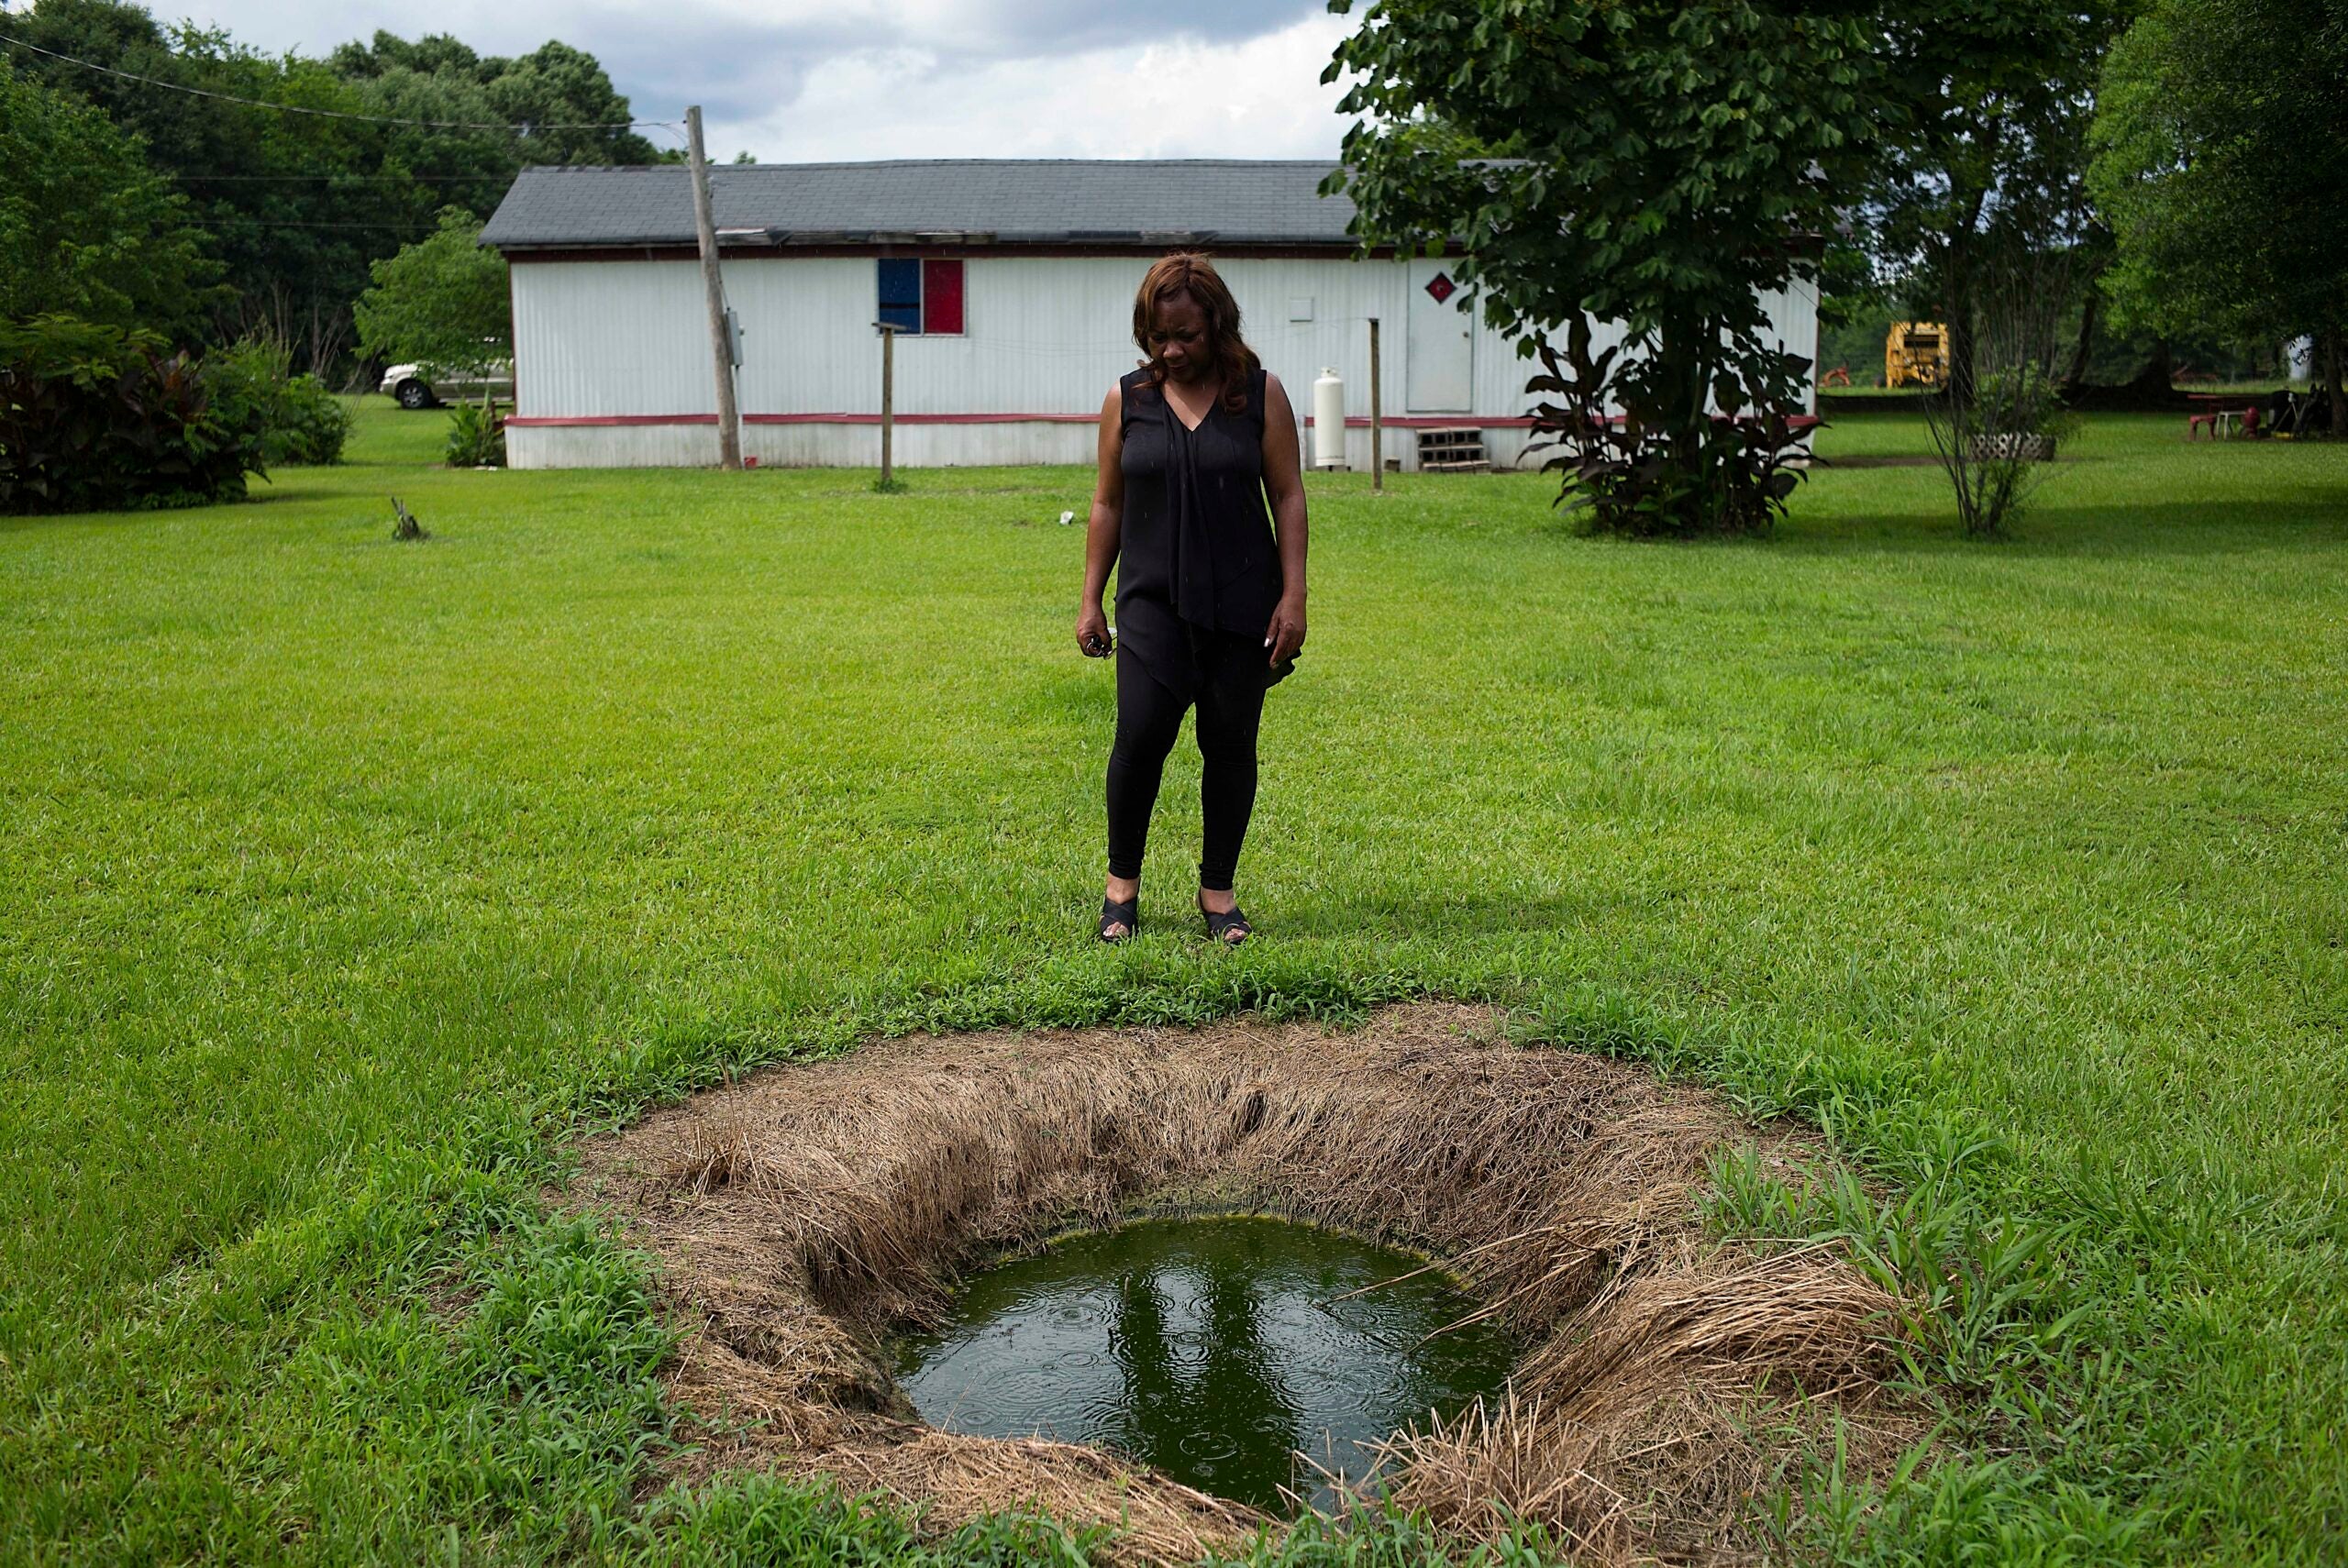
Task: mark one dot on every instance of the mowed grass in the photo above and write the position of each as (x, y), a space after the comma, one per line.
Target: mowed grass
(341, 878)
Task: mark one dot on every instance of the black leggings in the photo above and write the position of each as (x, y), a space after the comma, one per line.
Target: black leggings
(1150, 717)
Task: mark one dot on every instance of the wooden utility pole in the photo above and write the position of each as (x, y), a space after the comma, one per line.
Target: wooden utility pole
(888, 401)
(721, 348)
(1377, 426)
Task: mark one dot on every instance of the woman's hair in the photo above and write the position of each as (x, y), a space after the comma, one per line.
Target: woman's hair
(1190, 272)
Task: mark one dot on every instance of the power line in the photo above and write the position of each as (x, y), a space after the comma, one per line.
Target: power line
(343, 179)
(390, 228)
(524, 128)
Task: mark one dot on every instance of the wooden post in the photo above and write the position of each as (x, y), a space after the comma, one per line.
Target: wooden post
(888, 402)
(729, 418)
(1377, 428)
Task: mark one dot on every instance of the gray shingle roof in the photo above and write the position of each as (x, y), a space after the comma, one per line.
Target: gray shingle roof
(1007, 201)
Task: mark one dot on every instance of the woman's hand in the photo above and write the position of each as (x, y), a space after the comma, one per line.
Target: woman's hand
(1092, 632)
(1101, 530)
(1284, 487)
(1284, 636)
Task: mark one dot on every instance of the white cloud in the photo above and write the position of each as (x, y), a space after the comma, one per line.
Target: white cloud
(795, 80)
(1260, 97)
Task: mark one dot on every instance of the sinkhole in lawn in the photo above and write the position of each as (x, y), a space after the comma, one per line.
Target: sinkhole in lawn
(1243, 1356)
(809, 1217)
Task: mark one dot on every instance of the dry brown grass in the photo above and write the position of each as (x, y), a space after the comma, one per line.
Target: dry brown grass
(806, 1213)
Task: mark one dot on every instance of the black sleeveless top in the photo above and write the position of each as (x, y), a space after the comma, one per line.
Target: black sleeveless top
(1195, 549)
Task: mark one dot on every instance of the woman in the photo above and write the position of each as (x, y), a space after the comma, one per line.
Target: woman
(1209, 603)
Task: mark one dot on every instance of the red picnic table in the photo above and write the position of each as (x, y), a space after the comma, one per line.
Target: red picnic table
(2225, 413)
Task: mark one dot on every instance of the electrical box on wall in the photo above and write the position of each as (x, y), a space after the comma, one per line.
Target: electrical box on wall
(1300, 307)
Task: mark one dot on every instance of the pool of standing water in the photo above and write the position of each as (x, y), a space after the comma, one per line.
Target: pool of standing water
(1214, 1350)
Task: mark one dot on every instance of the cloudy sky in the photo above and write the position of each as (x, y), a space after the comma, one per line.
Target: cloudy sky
(794, 80)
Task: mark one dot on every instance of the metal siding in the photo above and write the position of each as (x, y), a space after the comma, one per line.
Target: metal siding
(614, 337)
(1439, 345)
(811, 347)
(1794, 311)
(797, 446)
(613, 447)
(859, 446)
(1039, 336)
(1043, 334)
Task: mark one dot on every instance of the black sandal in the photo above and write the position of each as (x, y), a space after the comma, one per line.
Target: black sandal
(1127, 915)
(1221, 926)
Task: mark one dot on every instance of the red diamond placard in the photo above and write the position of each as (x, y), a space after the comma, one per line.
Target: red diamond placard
(1442, 287)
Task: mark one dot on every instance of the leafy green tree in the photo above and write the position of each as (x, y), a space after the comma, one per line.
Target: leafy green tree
(2219, 165)
(86, 228)
(1658, 166)
(441, 301)
(1984, 172)
(292, 206)
(560, 94)
(296, 206)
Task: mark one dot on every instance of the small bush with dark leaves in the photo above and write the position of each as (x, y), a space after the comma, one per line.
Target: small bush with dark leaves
(97, 418)
(1637, 477)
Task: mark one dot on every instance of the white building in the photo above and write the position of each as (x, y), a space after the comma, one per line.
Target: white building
(1013, 284)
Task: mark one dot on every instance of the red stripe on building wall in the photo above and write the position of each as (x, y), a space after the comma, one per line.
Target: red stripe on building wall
(1359, 422)
(1437, 422)
(525, 421)
(923, 419)
(539, 421)
(1353, 421)
(1013, 251)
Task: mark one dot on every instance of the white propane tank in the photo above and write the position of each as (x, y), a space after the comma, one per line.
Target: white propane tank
(1329, 421)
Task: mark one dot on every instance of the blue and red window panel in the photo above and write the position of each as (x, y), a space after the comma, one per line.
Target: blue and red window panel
(921, 294)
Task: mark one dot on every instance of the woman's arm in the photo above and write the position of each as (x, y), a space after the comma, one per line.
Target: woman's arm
(1101, 529)
(1284, 486)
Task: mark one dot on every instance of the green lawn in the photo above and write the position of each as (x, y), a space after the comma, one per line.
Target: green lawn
(340, 878)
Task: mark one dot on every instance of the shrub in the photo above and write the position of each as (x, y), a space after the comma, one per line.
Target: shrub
(476, 436)
(1630, 471)
(303, 423)
(1996, 426)
(311, 425)
(103, 418)
(1994, 445)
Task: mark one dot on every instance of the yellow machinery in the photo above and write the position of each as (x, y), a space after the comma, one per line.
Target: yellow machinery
(1915, 354)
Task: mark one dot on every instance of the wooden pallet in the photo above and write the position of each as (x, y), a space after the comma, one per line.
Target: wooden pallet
(1453, 450)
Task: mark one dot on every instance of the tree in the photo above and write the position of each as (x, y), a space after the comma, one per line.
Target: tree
(1984, 171)
(292, 206)
(86, 228)
(1656, 165)
(296, 206)
(2218, 164)
(441, 301)
(555, 91)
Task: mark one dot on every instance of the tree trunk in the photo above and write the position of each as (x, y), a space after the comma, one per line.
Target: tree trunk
(2331, 382)
(2076, 376)
(1682, 380)
(1958, 311)
(1961, 352)
(1962, 288)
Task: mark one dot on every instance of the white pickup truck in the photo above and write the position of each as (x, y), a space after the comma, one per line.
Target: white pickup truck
(416, 389)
